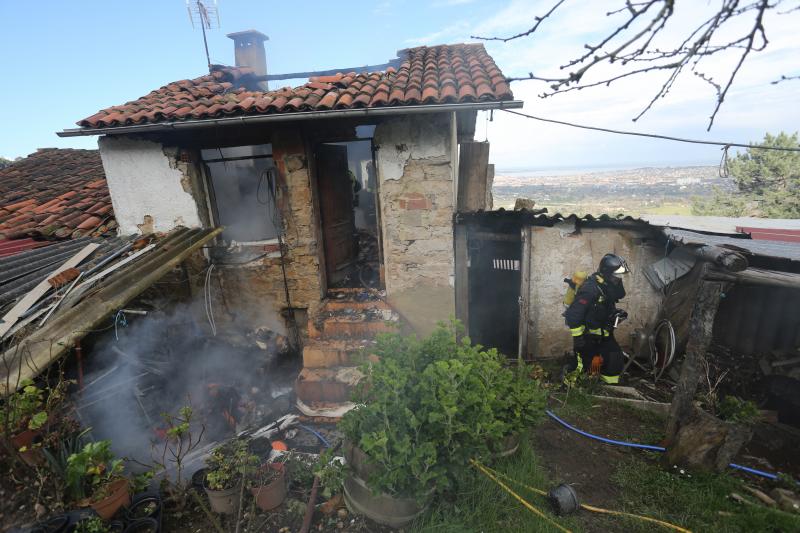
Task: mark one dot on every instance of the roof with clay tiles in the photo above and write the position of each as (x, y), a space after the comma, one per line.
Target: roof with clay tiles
(55, 193)
(445, 74)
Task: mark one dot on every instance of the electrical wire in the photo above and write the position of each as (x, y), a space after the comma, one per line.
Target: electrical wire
(755, 471)
(655, 135)
(591, 507)
(669, 353)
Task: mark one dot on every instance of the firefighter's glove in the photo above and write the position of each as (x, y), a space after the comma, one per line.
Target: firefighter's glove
(622, 314)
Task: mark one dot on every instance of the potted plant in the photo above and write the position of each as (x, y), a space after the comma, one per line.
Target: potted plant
(268, 485)
(94, 478)
(426, 407)
(518, 403)
(24, 415)
(227, 466)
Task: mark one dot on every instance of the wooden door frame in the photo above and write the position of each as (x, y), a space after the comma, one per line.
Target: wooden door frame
(312, 145)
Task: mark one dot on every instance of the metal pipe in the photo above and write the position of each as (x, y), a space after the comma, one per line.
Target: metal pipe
(288, 117)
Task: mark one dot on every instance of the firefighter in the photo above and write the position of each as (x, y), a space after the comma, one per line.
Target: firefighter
(591, 318)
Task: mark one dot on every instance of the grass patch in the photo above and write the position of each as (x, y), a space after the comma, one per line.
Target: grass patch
(699, 503)
(482, 506)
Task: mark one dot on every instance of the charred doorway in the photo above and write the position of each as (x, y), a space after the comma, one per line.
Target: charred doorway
(495, 276)
(348, 204)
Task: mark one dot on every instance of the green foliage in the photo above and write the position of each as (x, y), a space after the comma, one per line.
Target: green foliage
(331, 472)
(228, 464)
(734, 409)
(299, 469)
(768, 183)
(91, 469)
(91, 525)
(141, 482)
(428, 406)
(24, 408)
(699, 503)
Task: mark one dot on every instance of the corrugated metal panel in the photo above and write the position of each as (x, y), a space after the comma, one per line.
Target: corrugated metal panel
(724, 225)
(772, 249)
(16, 246)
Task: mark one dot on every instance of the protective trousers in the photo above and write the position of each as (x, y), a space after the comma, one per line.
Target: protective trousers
(607, 348)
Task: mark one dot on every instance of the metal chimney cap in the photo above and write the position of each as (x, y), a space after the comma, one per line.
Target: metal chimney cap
(238, 35)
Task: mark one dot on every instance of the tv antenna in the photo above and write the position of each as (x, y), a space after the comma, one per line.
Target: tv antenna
(206, 16)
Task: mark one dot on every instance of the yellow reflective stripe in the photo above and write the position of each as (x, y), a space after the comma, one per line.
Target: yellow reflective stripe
(577, 332)
(596, 331)
(612, 380)
(580, 363)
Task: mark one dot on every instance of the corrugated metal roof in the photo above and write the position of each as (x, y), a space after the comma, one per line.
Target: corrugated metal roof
(775, 249)
(724, 225)
(19, 245)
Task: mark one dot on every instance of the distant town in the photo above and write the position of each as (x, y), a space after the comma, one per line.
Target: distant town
(653, 190)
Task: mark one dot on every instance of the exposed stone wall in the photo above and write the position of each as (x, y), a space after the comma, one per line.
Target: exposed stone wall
(415, 168)
(254, 294)
(416, 188)
(151, 190)
(559, 251)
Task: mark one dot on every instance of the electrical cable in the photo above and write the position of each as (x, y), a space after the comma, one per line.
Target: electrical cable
(655, 135)
(755, 471)
(669, 354)
(591, 507)
(208, 303)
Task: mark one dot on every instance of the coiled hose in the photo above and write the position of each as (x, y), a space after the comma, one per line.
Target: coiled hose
(755, 471)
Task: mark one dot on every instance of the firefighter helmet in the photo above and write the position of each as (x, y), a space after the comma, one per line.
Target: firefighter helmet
(612, 264)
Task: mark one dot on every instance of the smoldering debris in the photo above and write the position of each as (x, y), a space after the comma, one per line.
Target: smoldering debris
(163, 361)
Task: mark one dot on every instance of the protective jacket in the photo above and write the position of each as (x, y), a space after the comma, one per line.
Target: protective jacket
(594, 306)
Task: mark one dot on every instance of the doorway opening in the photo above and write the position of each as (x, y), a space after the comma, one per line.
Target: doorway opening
(349, 212)
(495, 275)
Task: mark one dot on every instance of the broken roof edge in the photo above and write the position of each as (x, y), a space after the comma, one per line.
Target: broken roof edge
(293, 116)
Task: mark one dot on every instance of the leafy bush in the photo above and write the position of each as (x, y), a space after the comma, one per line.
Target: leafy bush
(228, 464)
(428, 406)
(24, 409)
(734, 409)
(91, 470)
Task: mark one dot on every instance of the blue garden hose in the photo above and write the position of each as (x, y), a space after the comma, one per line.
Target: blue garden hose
(747, 469)
(317, 434)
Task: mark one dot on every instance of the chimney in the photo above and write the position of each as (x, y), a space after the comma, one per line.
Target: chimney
(249, 48)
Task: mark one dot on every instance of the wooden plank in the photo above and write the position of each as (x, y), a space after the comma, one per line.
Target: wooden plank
(10, 318)
(462, 275)
(489, 205)
(524, 292)
(472, 173)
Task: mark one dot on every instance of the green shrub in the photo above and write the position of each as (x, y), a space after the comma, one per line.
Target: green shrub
(428, 406)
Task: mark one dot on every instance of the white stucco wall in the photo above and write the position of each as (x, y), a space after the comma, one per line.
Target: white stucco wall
(559, 251)
(148, 190)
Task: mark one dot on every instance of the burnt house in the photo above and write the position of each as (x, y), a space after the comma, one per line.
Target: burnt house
(336, 197)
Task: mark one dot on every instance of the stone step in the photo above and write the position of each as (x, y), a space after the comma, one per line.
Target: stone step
(318, 387)
(351, 323)
(328, 353)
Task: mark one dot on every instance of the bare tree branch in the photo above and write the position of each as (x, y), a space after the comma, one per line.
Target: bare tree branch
(632, 43)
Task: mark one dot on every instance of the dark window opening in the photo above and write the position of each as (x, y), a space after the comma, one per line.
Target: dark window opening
(347, 186)
(242, 188)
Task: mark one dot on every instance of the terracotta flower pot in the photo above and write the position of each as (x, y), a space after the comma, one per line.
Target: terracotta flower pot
(118, 496)
(224, 501)
(272, 494)
(31, 456)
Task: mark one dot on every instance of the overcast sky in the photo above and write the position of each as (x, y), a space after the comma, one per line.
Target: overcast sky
(65, 60)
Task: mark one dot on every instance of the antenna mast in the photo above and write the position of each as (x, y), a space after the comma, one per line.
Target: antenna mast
(205, 16)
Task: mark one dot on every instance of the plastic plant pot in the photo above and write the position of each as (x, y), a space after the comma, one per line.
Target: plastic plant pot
(31, 456)
(146, 506)
(564, 499)
(224, 501)
(272, 494)
(118, 496)
(55, 524)
(144, 525)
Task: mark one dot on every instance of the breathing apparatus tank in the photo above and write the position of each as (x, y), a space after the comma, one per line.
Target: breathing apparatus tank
(573, 284)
